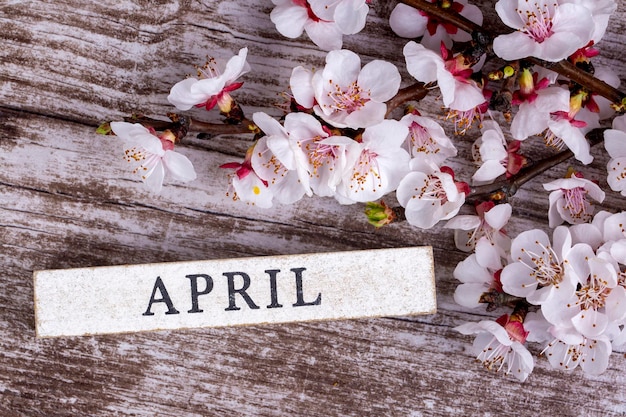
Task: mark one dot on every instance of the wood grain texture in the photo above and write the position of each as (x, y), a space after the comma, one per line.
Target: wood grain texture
(66, 200)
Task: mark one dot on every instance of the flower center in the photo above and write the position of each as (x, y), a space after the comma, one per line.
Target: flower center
(319, 154)
(537, 20)
(432, 189)
(365, 166)
(576, 202)
(553, 141)
(421, 139)
(593, 295)
(348, 100)
(546, 268)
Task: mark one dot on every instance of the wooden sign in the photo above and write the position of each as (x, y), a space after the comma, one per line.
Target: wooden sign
(271, 289)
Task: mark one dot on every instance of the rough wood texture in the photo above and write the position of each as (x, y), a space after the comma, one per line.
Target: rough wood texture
(66, 200)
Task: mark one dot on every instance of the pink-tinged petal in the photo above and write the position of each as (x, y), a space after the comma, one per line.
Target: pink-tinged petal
(560, 356)
(463, 222)
(470, 271)
(619, 123)
(406, 189)
(554, 216)
(206, 88)
(537, 327)
(488, 171)
(236, 66)
(518, 280)
(507, 11)
(407, 22)
(466, 97)
(388, 134)
(615, 227)
(289, 190)
(590, 323)
(183, 98)
(616, 175)
(381, 79)
(301, 88)
(423, 213)
(577, 21)
(499, 216)
(567, 334)
(252, 190)
(540, 296)
(603, 270)
(514, 46)
(577, 262)
(179, 166)
(289, 20)
(135, 134)
(369, 115)
(342, 67)
(596, 356)
(488, 254)
(154, 178)
(472, 13)
(573, 138)
(422, 63)
(618, 251)
(529, 121)
(268, 124)
(559, 46)
(614, 142)
(532, 240)
(586, 233)
(468, 295)
(303, 126)
(616, 304)
(522, 363)
(326, 35)
(280, 147)
(350, 15)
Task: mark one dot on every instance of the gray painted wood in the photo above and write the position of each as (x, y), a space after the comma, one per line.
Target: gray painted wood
(67, 201)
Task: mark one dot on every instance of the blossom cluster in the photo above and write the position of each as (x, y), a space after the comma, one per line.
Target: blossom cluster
(342, 139)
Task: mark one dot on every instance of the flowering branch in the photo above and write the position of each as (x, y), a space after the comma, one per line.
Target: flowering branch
(506, 188)
(485, 39)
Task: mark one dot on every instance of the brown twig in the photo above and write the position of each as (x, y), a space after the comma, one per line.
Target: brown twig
(415, 92)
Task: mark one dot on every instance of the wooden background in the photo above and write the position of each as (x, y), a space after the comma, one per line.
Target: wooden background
(67, 200)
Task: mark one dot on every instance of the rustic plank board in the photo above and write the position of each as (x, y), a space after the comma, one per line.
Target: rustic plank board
(66, 201)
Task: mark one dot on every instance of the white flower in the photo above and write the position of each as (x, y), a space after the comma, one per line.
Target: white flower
(568, 200)
(597, 301)
(499, 346)
(348, 96)
(152, 155)
(488, 224)
(459, 92)
(563, 132)
(538, 268)
(428, 194)
(292, 17)
(494, 155)
(409, 22)
(614, 140)
(284, 184)
(591, 354)
(245, 185)
(427, 139)
(380, 164)
(533, 115)
(212, 86)
(479, 274)
(545, 29)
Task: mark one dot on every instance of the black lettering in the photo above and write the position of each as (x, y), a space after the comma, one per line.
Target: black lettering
(193, 281)
(273, 293)
(299, 292)
(241, 291)
(165, 298)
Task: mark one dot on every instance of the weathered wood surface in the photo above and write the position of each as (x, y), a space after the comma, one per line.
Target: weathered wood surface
(66, 200)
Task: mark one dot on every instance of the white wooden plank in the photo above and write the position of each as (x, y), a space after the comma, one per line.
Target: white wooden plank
(276, 289)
